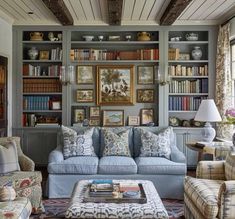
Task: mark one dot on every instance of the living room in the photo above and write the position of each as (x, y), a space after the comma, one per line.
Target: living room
(105, 90)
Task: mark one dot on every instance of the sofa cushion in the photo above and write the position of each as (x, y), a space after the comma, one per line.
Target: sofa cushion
(8, 158)
(230, 167)
(117, 165)
(116, 130)
(137, 137)
(116, 144)
(75, 165)
(155, 145)
(204, 194)
(159, 165)
(77, 144)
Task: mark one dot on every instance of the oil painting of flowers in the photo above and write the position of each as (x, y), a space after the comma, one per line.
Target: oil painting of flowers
(230, 115)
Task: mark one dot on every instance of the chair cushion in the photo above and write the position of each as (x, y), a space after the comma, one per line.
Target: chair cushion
(155, 145)
(204, 194)
(159, 165)
(8, 158)
(230, 167)
(117, 165)
(75, 165)
(77, 144)
(116, 144)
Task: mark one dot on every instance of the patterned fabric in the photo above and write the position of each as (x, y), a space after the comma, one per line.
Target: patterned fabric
(77, 144)
(152, 209)
(223, 92)
(8, 158)
(227, 200)
(156, 145)
(116, 144)
(7, 193)
(210, 170)
(204, 194)
(230, 167)
(17, 209)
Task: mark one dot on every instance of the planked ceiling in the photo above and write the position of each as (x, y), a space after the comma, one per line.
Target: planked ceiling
(134, 12)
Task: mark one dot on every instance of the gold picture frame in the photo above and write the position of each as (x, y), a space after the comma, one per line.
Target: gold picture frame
(44, 55)
(145, 95)
(146, 116)
(133, 120)
(85, 74)
(94, 111)
(113, 117)
(79, 113)
(145, 74)
(85, 95)
(115, 85)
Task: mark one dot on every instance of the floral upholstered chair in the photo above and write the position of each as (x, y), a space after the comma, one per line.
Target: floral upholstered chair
(212, 193)
(25, 181)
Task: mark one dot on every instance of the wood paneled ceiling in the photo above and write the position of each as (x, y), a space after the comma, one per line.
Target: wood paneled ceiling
(134, 12)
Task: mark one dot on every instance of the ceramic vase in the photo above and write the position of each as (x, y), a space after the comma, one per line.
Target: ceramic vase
(196, 53)
(33, 53)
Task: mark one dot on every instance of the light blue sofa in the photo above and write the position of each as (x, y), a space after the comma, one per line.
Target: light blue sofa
(167, 175)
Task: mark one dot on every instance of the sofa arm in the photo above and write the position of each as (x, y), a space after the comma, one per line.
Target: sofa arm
(56, 156)
(177, 155)
(26, 164)
(211, 170)
(226, 199)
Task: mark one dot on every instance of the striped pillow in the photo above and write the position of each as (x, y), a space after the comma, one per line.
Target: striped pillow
(230, 167)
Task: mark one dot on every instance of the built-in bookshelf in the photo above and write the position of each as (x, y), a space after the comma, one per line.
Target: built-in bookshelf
(41, 86)
(189, 73)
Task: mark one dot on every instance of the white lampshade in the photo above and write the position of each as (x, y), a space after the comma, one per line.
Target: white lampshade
(208, 112)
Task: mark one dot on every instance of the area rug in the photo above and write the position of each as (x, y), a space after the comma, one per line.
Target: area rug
(55, 208)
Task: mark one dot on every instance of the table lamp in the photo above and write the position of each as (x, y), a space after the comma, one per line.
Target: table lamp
(208, 112)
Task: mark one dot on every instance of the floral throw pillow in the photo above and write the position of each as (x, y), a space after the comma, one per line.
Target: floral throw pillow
(156, 145)
(77, 144)
(116, 144)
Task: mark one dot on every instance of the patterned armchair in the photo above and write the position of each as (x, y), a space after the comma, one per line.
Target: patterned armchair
(26, 182)
(212, 193)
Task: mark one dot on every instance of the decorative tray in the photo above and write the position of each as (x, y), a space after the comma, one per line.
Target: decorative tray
(115, 195)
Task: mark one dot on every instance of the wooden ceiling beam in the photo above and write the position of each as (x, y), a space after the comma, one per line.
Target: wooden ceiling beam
(173, 10)
(115, 12)
(60, 11)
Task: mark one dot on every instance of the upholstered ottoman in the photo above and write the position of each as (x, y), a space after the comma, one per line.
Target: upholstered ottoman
(20, 208)
(154, 207)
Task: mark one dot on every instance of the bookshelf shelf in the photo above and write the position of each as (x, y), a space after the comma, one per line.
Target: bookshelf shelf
(187, 77)
(41, 42)
(114, 61)
(114, 42)
(188, 94)
(41, 61)
(187, 61)
(188, 42)
(40, 77)
(44, 111)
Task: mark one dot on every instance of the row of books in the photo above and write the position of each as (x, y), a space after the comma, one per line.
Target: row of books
(36, 102)
(189, 86)
(179, 70)
(96, 54)
(185, 103)
(30, 70)
(56, 54)
(41, 85)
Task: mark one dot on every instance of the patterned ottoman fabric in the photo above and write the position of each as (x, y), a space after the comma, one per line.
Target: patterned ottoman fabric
(204, 194)
(20, 208)
(152, 209)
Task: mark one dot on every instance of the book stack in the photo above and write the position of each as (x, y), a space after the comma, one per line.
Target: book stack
(100, 188)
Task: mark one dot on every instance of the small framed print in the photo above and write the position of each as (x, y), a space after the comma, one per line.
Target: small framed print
(145, 95)
(44, 55)
(145, 75)
(113, 117)
(84, 96)
(79, 113)
(134, 120)
(56, 105)
(85, 74)
(94, 111)
(94, 122)
(147, 116)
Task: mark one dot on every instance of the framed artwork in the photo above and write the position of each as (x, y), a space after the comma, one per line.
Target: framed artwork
(85, 95)
(147, 116)
(115, 85)
(79, 113)
(94, 111)
(145, 75)
(145, 95)
(44, 55)
(56, 105)
(133, 120)
(85, 74)
(94, 122)
(113, 117)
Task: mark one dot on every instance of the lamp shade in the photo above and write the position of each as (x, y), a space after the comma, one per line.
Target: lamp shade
(208, 112)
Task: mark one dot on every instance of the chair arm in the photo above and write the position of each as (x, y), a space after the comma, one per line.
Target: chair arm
(211, 170)
(177, 155)
(56, 156)
(26, 164)
(226, 199)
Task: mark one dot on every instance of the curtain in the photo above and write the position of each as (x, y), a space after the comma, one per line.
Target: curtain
(223, 91)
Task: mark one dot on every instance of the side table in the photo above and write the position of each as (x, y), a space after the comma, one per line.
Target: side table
(217, 149)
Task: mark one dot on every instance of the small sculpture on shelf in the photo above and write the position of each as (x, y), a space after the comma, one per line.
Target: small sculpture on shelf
(143, 36)
(196, 53)
(36, 36)
(33, 53)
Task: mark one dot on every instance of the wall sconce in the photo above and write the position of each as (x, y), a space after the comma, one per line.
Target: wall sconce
(67, 74)
(163, 79)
